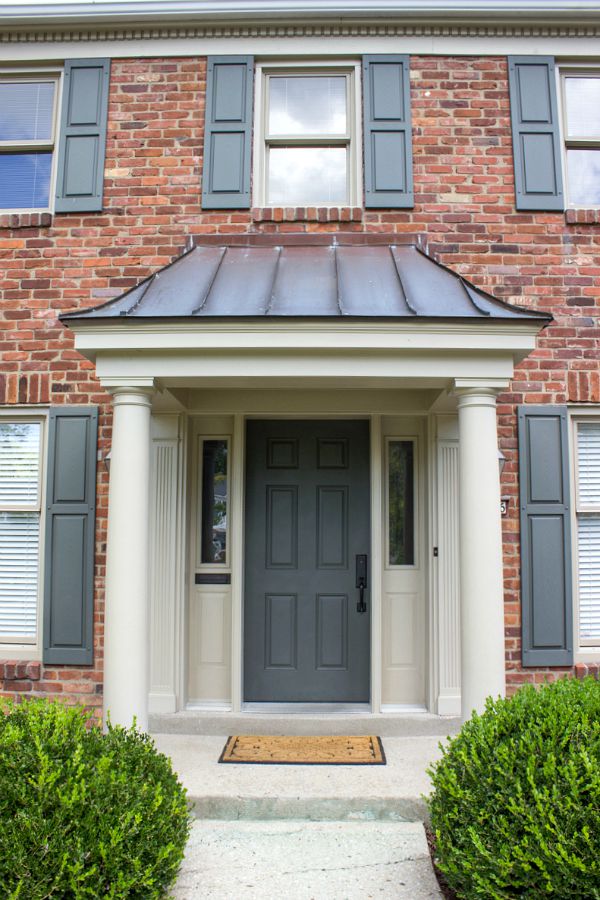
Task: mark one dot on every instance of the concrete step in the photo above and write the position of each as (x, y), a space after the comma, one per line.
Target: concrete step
(306, 860)
(207, 723)
(394, 792)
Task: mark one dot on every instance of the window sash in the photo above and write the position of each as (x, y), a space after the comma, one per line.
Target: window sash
(575, 141)
(20, 532)
(264, 140)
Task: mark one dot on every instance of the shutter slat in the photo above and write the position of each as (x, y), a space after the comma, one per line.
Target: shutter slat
(82, 147)
(387, 132)
(546, 592)
(70, 536)
(228, 133)
(536, 134)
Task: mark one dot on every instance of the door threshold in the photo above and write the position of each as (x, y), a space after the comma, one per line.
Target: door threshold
(307, 709)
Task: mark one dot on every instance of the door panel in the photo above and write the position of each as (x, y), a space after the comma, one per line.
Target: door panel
(307, 517)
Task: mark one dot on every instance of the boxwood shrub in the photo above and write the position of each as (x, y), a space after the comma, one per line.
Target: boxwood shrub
(515, 808)
(85, 814)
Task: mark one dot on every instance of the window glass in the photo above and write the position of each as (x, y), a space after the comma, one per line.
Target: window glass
(582, 100)
(25, 180)
(583, 170)
(26, 143)
(26, 110)
(19, 529)
(214, 500)
(307, 176)
(300, 105)
(401, 507)
(588, 531)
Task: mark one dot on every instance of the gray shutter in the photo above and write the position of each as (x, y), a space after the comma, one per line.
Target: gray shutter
(536, 134)
(546, 588)
(69, 536)
(387, 132)
(228, 132)
(82, 135)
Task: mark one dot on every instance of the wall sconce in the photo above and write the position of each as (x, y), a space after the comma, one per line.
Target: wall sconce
(107, 462)
(501, 461)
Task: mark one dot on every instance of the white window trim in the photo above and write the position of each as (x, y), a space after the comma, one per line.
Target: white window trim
(351, 68)
(583, 652)
(11, 649)
(31, 74)
(563, 71)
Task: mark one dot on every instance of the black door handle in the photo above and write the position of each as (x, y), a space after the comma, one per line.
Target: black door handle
(361, 581)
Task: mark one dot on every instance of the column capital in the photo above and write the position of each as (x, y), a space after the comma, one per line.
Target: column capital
(479, 387)
(131, 396)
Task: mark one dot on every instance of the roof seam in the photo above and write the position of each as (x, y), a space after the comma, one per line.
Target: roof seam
(472, 301)
(197, 309)
(400, 282)
(271, 294)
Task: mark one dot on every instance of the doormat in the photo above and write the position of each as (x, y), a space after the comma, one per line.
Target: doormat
(304, 750)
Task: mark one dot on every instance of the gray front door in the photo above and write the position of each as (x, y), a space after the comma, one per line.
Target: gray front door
(307, 519)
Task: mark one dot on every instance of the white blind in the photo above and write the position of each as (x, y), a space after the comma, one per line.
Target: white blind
(588, 452)
(589, 577)
(19, 463)
(19, 556)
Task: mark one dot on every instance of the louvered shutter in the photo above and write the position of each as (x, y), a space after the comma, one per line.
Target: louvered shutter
(82, 142)
(536, 134)
(19, 529)
(69, 536)
(546, 592)
(228, 133)
(588, 531)
(387, 132)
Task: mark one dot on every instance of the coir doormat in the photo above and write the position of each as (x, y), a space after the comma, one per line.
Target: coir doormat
(304, 750)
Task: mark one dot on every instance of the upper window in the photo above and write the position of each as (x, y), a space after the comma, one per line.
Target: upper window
(27, 138)
(306, 148)
(581, 125)
(588, 530)
(20, 508)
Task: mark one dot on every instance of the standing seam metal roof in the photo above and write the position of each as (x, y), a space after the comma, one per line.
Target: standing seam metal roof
(305, 280)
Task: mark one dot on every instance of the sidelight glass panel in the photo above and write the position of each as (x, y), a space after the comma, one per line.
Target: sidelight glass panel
(401, 506)
(214, 500)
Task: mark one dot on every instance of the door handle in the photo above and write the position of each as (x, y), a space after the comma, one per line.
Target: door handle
(361, 581)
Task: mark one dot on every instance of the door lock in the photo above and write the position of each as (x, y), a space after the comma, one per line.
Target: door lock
(361, 581)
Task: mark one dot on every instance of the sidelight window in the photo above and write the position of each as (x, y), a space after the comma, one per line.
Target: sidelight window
(214, 480)
(401, 502)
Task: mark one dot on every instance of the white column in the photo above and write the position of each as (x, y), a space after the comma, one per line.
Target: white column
(480, 540)
(126, 641)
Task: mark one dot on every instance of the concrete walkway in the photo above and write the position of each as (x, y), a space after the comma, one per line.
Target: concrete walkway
(305, 832)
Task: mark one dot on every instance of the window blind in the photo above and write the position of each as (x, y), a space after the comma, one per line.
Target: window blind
(589, 578)
(588, 449)
(19, 463)
(19, 568)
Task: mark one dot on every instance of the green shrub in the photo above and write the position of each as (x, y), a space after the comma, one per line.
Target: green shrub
(85, 814)
(516, 803)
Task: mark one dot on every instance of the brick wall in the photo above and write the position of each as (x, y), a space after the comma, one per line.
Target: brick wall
(464, 206)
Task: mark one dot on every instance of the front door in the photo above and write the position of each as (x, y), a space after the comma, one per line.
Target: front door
(306, 632)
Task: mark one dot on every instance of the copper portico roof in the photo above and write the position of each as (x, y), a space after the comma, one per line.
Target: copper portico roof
(305, 276)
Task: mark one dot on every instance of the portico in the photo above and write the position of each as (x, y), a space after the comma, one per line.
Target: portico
(420, 361)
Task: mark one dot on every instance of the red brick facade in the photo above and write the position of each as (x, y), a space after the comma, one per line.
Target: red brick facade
(464, 208)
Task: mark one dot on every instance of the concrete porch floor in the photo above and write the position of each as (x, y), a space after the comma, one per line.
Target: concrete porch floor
(306, 832)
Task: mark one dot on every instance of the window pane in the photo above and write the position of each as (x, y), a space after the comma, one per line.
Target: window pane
(583, 171)
(589, 577)
(588, 452)
(26, 110)
(401, 503)
(307, 105)
(214, 502)
(19, 463)
(582, 97)
(307, 176)
(19, 556)
(25, 180)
